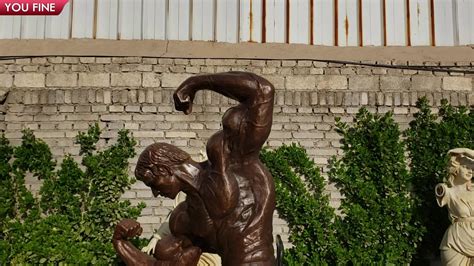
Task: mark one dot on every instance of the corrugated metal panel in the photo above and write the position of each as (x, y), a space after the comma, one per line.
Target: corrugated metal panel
(318, 22)
(444, 23)
(32, 27)
(130, 22)
(82, 18)
(465, 21)
(395, 23)
(154, 19)
(251, 21)
(323, 22)
(275, 21)
(179, 20)
(299, 29)
(348, 22)
(372, 22)
(10, 27)
(420, 20)
(107, 19)
(227, 21)
(203, 20)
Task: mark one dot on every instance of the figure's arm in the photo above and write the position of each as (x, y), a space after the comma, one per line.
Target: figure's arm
(253, 92)
(170, 250)
(127, 251)
(462, 151)
(440, 191)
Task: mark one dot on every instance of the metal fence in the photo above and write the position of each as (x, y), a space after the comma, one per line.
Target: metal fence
(315, 22)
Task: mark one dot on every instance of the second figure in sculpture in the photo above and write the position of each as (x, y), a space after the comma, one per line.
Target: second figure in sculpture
(230, 197)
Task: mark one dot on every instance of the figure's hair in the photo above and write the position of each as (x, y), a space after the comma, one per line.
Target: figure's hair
(159, 158)
(453, 170)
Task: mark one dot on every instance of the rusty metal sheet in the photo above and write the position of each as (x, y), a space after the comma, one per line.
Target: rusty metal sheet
(275, 21)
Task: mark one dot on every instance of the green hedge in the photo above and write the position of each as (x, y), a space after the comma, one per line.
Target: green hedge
(302, 203)
(389, 214)
(377, 224)
(73, 219)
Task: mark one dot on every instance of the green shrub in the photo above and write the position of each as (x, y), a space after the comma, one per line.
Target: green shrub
(73, 219)
(377, 224)
(301, 201)
(428, 139)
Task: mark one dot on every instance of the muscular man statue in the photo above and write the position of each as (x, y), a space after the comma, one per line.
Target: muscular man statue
(230, 197)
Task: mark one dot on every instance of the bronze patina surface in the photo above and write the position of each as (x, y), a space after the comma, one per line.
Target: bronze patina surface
(230, 197)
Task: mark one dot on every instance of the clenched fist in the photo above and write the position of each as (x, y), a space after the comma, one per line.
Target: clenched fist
(126, 229)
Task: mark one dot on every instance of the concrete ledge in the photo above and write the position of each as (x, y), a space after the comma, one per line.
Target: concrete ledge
(199, 49)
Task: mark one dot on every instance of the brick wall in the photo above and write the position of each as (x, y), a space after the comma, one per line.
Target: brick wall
(59, 96)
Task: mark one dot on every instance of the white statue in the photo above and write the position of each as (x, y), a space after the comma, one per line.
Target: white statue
(457, 246)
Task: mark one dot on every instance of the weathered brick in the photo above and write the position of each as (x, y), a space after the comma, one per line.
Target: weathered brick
(148, 134)
(426, 83)
(115, 117)
(308, 135)
(6, 80)
(457, 84)
(29, 80)
(99, 108)
(170, 80)
(288, 63)
(300, 82)
(149, 109)
(152, 97)
(126, 79)
(49, 134)
(18, 118)
(61, 80)
(66, 109)
(151, 80)
(82, 117)
(55, 60)
(47, 118)
(331, 82)
(71, 60)
(132, 109)
(116, 108)
(94, 79)
(394, 83)
(364, 83)
(49, 109)
(107, 97)
(180, 134)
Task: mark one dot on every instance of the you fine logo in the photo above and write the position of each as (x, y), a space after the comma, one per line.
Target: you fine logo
(31, 7)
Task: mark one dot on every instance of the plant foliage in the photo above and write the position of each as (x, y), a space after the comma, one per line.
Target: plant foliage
(301, 201)
(377, 223)
(428, 139)
(73, 219)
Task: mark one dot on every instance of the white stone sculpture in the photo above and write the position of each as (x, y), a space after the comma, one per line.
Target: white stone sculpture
(457, 246)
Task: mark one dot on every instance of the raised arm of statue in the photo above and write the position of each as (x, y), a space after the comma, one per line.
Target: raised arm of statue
(254, 114)
(462, 151)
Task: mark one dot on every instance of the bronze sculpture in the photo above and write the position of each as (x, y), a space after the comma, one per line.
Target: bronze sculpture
(230, 197)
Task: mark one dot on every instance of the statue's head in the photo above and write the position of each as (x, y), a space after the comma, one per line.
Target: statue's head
(157, 167)
(459, 168)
